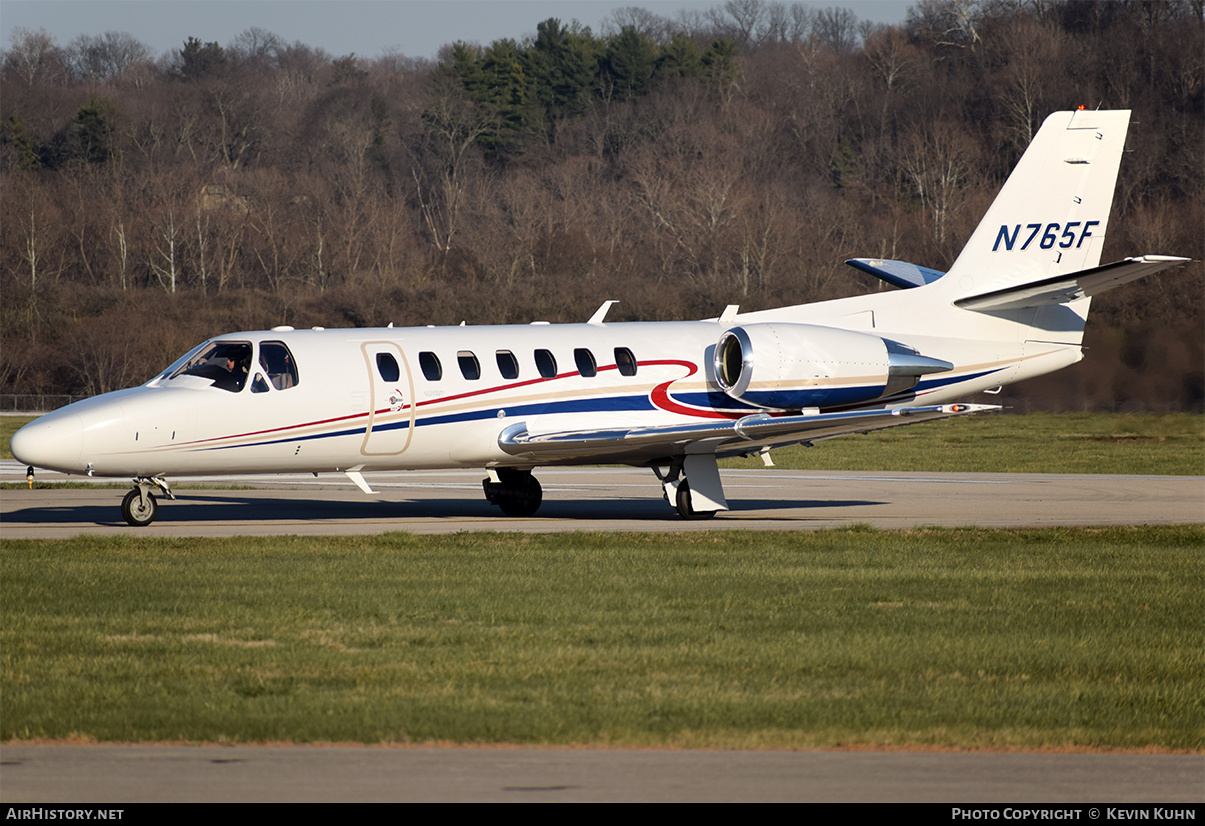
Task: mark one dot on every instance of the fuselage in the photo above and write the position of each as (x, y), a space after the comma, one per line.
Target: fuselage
(428, 397)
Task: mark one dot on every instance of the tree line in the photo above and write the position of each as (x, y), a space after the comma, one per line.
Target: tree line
(680, 164)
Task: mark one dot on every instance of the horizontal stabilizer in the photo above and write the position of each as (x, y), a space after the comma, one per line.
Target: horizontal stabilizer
(1061, 289)
(897, 273)
(732, 437)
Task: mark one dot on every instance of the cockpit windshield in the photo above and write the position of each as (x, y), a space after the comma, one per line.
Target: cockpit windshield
(231, 364)
(225, 363)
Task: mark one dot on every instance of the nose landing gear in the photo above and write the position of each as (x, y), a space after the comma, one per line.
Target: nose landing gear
(139, 507)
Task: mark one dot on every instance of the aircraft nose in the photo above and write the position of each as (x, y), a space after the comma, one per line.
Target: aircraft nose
(51, 442)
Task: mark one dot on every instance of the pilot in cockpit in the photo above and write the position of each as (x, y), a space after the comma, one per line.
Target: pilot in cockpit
(235, 376)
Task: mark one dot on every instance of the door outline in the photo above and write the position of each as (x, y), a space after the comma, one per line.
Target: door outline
(371, 446)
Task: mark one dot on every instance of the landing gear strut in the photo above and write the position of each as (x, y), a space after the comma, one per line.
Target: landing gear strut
(517, 492)
(139, 507)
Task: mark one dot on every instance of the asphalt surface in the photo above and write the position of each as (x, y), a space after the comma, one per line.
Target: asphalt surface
(115, 774)
(604, 499)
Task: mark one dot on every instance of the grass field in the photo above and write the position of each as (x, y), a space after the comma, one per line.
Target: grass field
(1167, 445)
(1060, 638)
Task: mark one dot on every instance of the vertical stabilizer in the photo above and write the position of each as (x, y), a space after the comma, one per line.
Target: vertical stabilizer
(1050, 218)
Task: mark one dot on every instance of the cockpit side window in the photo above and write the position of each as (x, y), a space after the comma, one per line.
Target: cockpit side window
(278, 363)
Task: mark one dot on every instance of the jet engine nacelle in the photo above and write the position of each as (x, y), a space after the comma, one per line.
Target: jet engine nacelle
(792, 366)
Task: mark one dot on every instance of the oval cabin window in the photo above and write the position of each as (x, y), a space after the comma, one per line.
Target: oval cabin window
(470, 368)
(432, 369)
(387, 367)
(586, 365)
(546, 364)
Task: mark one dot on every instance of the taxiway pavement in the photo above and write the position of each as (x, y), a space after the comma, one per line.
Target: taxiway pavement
(604, 499)
(115, 774)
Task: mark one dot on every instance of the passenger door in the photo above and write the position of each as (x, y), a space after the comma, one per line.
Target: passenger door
(391, 393)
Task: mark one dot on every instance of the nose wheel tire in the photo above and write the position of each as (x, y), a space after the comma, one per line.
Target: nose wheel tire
(138, 512)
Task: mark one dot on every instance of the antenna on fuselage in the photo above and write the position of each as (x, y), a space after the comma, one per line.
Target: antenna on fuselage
(601, 312)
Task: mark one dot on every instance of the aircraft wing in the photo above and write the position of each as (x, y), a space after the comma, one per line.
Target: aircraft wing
(1061, 289)
(728, 438)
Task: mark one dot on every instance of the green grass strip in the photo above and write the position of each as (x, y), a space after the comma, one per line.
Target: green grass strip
(1167, 445)
(1082, 638)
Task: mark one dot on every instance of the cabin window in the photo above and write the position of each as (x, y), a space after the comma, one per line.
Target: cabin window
(508, 365)
(432, 369)
(470, 368)
(387, 367)
(625, 361)
(277, 362)
(259, 385)
(546, 364)
(586, 366)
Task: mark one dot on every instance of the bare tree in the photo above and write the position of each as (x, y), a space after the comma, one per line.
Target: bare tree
(453, 126)
(939, 160)
(836, 28)
(256, 45)
(950, 23)
(34, 57)
(104, 57)
(646, 23)
(742, 21)
(892, 57)
(1031, 56)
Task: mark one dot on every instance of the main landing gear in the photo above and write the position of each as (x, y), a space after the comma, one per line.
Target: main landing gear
(685, 507)
(707, 497)
(139, 507)
(517, 492)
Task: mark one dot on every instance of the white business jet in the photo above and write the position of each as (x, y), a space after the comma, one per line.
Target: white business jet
(670, 396)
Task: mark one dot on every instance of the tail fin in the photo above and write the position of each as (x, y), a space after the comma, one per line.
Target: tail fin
(1050, 218)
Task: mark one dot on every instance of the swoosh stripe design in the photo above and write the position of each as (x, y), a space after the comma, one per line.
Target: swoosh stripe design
(697, 404)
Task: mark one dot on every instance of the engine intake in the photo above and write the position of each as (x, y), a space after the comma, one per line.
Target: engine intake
(788, 366)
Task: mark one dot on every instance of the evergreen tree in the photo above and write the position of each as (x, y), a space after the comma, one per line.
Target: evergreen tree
(563, 63)
(719, 64)
(681, 57)
(630, 61)
(93, 130)
(199, 61)
(17, 137)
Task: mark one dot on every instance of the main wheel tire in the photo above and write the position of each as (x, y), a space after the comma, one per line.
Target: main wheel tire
(685, 509)
(525, 503)
(135, 512)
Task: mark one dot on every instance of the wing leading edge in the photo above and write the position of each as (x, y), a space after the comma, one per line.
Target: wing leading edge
(745, 435)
